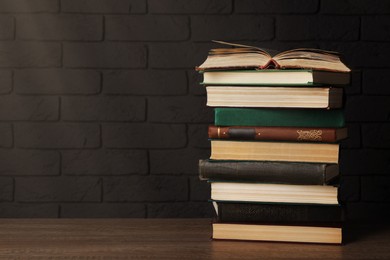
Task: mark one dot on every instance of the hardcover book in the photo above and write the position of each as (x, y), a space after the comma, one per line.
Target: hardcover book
(279, 117)
(245, 56)
(296, 134)
(274, 77)
(268, 172)
(289, 97)
(281, 233)
(274, 151)
(277, 212)
(280, 193)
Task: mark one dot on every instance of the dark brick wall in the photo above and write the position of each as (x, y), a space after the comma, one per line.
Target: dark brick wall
(102, 114)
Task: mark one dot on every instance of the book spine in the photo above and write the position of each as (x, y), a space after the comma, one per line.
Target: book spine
(265, 172)
(279, 117)
(273, 213)
(300, 134)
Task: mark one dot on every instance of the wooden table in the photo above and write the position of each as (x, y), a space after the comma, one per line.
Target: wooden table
(168, 239)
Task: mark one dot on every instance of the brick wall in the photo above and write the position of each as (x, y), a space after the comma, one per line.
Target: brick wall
(101, 113)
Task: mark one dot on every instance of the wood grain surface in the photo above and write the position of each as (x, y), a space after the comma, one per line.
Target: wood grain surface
(168, 239)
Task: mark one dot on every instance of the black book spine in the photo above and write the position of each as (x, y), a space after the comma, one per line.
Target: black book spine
(278, 213)
(265, 172)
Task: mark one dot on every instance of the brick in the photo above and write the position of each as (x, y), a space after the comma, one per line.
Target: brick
(381, 25)
(198, 136)
(104, 55)
(177, 55)
(30, 54)
(28, 6)
(145, 82)
(35, 163)
(367, 108)
(375, 82)
(103, 108)
(144, 136)
(57, 189)
(375, 188)
(375, 135)
(147, 28)
(5, 81)
(317, 27)
(194, 80)
(28, 108)
(371, 54)
(354, 137)
(103, 6)
(349, 189)
(179, 110)
(190, 6)
(6, 137)
(204, 28)
(180, 210)
(363, 211)
(25, 210)
(145, 188)
(59, 27)
(354, 7)
(103, 210)
(279, 7)
(356, 83)
(181, 161)
(56, 81)
(57, 135)
(6, 189)
(7, 27)
(364, 162)
(199, 190)
(104, 162)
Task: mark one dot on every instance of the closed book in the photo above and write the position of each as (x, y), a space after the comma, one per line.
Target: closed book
(280, 233)
(277, 212)
(274, 151)
(296, 134)
(289, 97)
(275, 193)
(331, 118)
(297, 77)
(268, 172)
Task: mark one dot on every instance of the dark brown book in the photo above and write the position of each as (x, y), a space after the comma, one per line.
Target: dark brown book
(304, 134)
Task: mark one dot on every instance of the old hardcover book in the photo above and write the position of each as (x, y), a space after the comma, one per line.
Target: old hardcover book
(274, 77)
(245, 56)
(279, 193)
(280, 233)
(289, 97)
(331, 118)
(277, 212)
(274, 151)
(296, 134)
(268, 172)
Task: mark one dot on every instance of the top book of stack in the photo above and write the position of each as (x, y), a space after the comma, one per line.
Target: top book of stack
(248, 65)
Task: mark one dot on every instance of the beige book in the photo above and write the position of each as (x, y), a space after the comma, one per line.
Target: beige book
(289, 97)
(305, 234)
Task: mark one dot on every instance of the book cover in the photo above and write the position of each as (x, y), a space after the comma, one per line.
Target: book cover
(268, 172)
(279, 117)
(277, 212)
(296, 134)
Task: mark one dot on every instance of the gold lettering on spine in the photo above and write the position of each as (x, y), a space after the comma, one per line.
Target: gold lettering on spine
(219, 132)
(309, 135)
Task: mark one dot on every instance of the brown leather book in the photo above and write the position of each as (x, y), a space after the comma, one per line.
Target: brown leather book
(304, 134)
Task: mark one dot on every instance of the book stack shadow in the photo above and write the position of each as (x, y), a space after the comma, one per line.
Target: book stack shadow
(274, 158)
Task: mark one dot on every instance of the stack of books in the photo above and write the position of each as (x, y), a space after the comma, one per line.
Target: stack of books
(275, 143)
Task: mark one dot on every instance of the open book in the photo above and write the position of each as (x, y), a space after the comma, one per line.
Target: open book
(250, 57)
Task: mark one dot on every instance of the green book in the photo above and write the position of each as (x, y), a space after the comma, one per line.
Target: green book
(279, 117)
